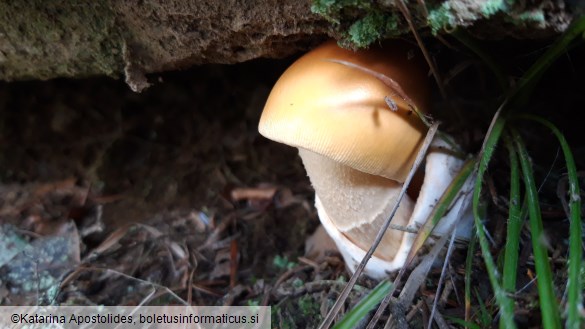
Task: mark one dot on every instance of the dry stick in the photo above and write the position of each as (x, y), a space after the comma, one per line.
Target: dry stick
(490, 129)
(420, 268)
(439, 320)
(442, 278)
(425, 11)
(81, 268)
(347, 289)
(415, 280)
(402, 7)
(423, 6)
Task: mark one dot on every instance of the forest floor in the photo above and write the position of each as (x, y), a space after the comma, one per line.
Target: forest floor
(171, 196)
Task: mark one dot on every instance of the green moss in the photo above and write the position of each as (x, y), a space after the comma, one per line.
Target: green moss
(59, 38)
(279, 318)
(298, 283)
(283, 263)
(493, 7)
(308, 306)
(529, 17)
(373, 27)
(333, 9)
(447, 16)
(440, 18)
(360, 23)
(10, 244)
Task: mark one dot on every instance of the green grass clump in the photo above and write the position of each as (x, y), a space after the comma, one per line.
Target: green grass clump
(521, 167)
(556, 311)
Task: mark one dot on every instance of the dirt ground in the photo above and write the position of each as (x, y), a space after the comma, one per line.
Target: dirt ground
(170, 196)
(166, 196)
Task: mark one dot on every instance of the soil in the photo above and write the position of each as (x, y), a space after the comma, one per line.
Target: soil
(164, 197)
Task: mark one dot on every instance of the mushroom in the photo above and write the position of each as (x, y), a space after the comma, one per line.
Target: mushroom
(357, 150)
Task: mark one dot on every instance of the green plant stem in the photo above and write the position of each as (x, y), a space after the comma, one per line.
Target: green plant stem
(559, 47)
(514, 224)
(574, 282)
(548, 306)
(468, 271)
(445, 201)
(490, 142)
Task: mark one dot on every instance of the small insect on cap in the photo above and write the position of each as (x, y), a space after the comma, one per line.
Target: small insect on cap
(340, 111)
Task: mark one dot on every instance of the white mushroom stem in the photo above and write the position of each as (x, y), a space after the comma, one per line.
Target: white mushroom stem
(358, 203)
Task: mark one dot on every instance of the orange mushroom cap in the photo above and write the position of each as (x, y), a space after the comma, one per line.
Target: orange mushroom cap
(340, 112)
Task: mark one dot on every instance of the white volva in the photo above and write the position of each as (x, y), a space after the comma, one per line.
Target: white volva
(440, 169)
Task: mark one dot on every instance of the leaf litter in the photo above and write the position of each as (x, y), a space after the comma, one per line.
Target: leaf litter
(171, 197)
(165, 197)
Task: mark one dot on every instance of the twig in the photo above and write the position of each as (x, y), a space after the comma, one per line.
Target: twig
(418, 275)
(70, 277)
(442, 278)
(345, 292)
(439, 320)
(281, 279)
(400, 4)
(414, 281)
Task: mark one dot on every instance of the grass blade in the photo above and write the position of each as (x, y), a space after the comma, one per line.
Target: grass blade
(502, 299)
(575, 281)
(463, 323)
(359, 312)
(514, 223)
(485, 318)
(559, 47)
(468, 271)
(447, 198)
(548, 306)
